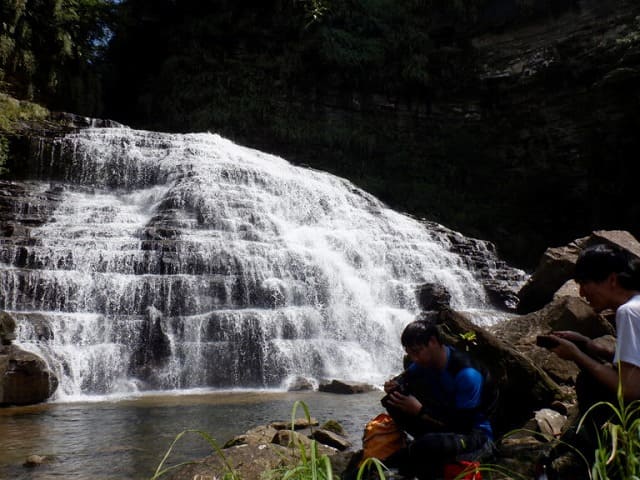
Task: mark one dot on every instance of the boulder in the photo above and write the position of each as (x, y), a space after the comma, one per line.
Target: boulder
(265, 449)
(571, 313)
(523, 386)
(35, 460)
(553, 270)
(556, 266)
(249, 462)
(299, 383)
(501, 295)
(331, 439)
(346, 388)
(431, 296)
(291, 438)
(618, 238)
(569, 289)
(298, 424)
(564, 313)
(260, 435)
(335, 427)
(550, 422)
(25, 378)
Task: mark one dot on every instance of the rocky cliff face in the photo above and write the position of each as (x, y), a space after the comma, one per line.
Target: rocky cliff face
(560, 96)
(524, 137)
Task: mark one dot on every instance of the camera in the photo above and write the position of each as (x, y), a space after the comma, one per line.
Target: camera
(545, 341)
(402, 387)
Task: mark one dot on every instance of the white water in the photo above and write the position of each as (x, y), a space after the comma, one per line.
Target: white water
(254, 269)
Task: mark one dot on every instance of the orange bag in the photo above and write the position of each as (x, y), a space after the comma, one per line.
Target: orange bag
(382, 438)
(468, 470)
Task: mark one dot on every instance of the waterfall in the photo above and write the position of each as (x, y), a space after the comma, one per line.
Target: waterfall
(187, 261)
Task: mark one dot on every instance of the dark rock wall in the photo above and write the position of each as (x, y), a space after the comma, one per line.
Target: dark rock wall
(525, 135)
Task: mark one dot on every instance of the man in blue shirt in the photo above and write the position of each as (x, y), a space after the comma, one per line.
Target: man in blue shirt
(440, 400)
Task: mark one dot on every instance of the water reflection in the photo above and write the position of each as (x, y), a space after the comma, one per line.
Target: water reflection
(126, 439)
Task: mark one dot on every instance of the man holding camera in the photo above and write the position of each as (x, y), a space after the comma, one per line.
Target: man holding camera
(441, 401)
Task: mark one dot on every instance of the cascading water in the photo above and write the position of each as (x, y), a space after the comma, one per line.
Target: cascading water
(186, 261)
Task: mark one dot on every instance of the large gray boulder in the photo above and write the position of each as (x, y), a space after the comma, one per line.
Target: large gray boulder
(345, 388)
(25, 378)
(553, 271)
(431, 296)
(564, 313)
(556, 267)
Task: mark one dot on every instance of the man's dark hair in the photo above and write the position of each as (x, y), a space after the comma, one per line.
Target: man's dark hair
(597, 262)
(419, 332)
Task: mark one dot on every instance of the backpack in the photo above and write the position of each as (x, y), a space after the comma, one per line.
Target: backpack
(459, 360)
(382, 438)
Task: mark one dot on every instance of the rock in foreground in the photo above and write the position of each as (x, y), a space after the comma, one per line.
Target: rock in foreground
(25, 378)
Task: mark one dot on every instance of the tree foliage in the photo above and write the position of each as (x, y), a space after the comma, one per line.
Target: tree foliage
(48, 49)
(175, 61)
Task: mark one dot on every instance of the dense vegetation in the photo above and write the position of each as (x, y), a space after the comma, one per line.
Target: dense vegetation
(49, 48)
(385, 93)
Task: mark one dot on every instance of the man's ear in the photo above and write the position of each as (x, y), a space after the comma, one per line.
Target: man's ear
(612, 280)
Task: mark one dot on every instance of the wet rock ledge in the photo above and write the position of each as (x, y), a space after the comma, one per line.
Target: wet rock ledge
(25, 378)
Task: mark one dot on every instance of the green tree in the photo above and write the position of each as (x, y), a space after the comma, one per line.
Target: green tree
(48, 50)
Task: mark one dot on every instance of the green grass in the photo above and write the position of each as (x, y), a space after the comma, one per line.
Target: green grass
(618, 453)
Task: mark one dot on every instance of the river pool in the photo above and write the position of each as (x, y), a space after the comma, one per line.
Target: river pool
(126, 438)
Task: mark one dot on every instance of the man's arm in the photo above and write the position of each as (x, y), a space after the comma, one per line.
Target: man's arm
(591, 347)
(412, 406)
(601, 372)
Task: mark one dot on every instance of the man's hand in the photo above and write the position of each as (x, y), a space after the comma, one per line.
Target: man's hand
(566, 349)
(574, 337)
(407, 403)
(390, 386)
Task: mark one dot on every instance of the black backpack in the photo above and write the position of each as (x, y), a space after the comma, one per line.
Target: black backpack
(459, 360)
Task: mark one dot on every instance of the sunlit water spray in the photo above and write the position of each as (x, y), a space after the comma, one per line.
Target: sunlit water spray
(186, 261)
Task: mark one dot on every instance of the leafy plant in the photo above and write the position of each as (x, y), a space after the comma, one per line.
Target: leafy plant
(468, 339)
(316, 9)
(618, 451)
(372, 464)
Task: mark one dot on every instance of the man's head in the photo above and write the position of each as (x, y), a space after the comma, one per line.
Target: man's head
(606, 275)
(422, 341)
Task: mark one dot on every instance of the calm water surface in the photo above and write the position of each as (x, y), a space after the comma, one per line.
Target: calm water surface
(126, 439)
